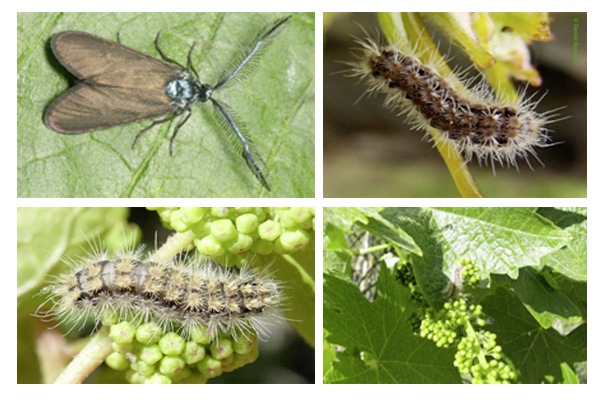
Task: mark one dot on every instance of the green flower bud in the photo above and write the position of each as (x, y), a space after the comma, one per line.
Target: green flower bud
(246, 223)
(294, 240)
(249, 358)
(123, 349)
(171, 366)
(244, 345)
(143, 368)
(148, 333)
(199, 335)
(241, 245)
(191, 215)
(134, 377)
(220, 212)
(210, 367)
(109, 317)
(158, 379)
(201, 228)
(269, 230)
(117, 361)
(171, 344)
(122, 333)
(300, 214)
(151, 354)
(223, 230)
(262, 247)
(228, 363)
(183, 374)
(177, 222)
(209, 247)
(193, 352)
(222, 349)
(286, 220)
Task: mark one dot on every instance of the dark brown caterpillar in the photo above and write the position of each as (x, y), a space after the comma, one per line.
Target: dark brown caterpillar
(478, 124)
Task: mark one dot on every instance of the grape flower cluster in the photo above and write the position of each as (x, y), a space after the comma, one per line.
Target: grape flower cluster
(460, 324)
(231, 235)
(150, 356)
(470, 272)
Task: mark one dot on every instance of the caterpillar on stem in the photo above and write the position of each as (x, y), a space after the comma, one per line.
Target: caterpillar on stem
(479, 125)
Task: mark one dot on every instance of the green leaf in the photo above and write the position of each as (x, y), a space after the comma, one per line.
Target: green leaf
(536, 352)
(336, 238)
(393, 234)
(328, 354)
(338, 220)
(299, 292)
(571, 260)
(499, 240)
(343, 217)
(275, 102)
(380, 346)
(569, 376)
(544, 302)
(335, 259)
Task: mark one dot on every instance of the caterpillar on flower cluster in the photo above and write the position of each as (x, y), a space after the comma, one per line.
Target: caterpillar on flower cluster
(478, 124)
(177, 294)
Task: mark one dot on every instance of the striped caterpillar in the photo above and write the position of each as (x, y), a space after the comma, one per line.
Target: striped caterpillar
(177, 294)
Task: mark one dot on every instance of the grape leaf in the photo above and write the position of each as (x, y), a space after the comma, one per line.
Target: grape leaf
(380, 346)
(544, 302)
(336, 259)
(499, 240)
(571, 260)
(393, 234)
(343, 217)
(535, 351)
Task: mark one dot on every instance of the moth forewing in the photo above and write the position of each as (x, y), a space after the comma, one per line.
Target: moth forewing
(118, 85)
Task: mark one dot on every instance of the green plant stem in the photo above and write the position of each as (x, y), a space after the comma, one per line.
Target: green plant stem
(88, 359)
(174, 245)
(372, 249)
(480, 352)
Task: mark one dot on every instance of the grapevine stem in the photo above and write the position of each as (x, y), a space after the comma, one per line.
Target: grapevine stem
(480, 353)
(373, 249)
(175, 244)
(88, 359)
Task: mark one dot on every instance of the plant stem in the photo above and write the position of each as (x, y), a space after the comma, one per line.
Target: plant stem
(373, 249)
(88, 359)
(175, 244)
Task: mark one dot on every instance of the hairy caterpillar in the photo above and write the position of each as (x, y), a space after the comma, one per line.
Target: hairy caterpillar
(177, 294)
(478, 124)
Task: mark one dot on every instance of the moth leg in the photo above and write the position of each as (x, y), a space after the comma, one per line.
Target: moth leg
(161, 121)
(163, 55)
(177, 131)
